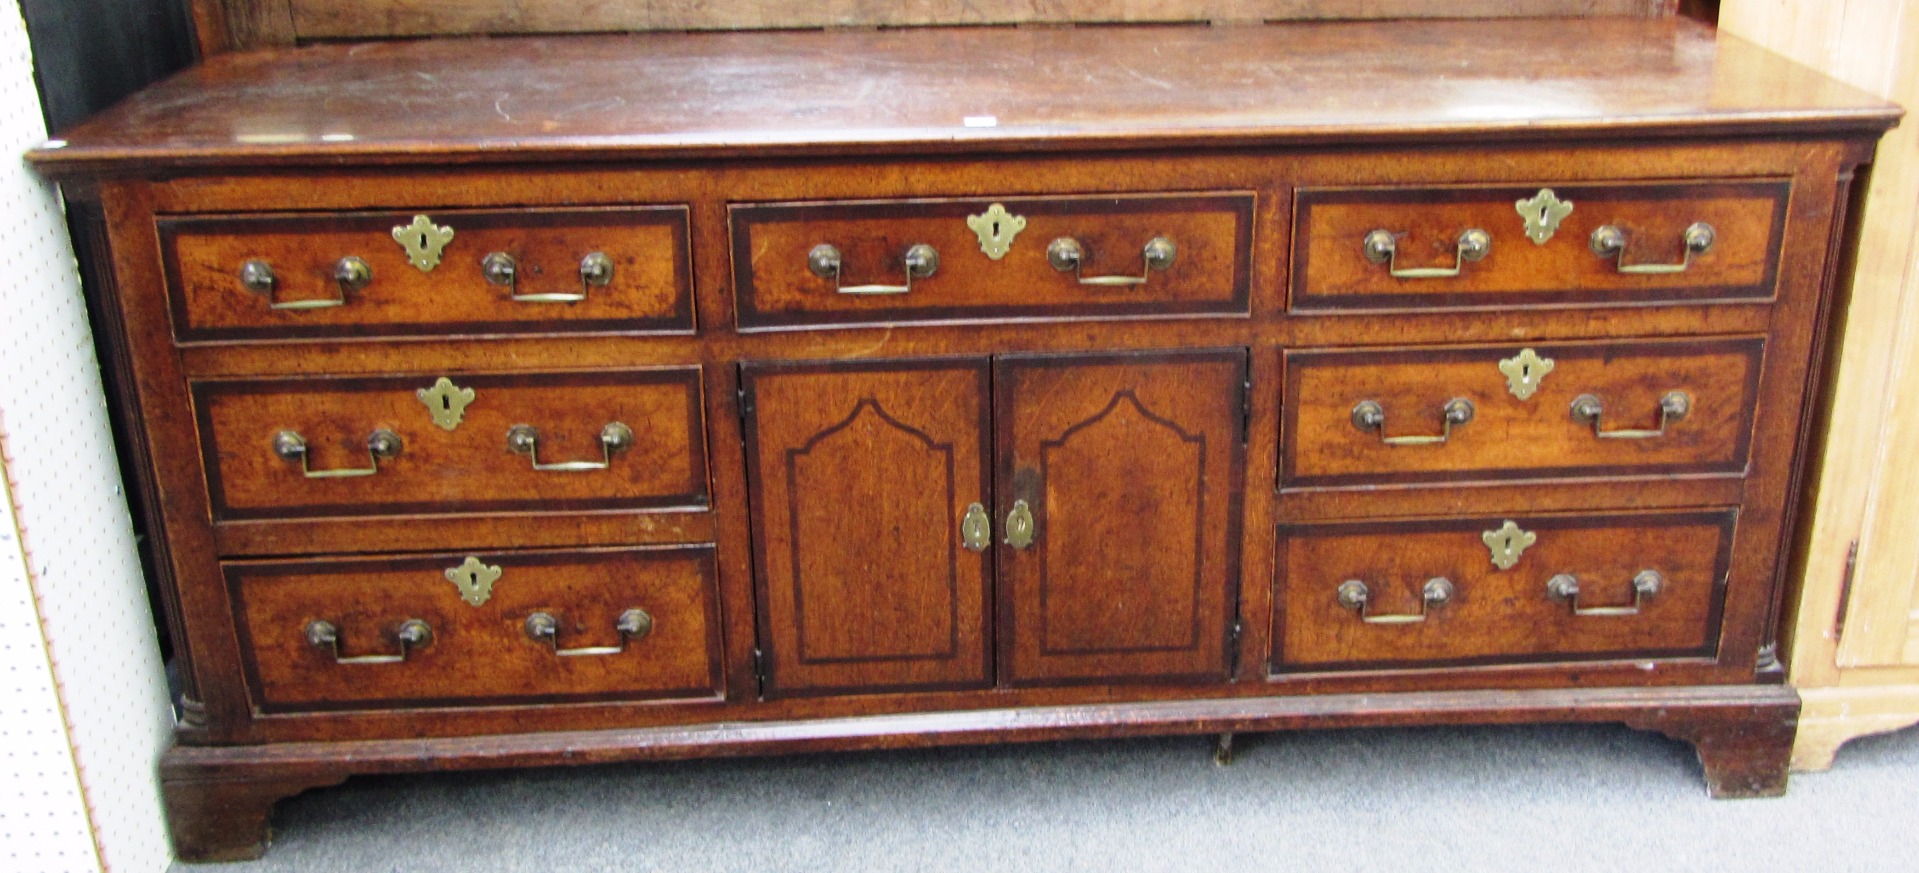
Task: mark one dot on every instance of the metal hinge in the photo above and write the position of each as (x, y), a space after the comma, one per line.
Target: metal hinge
(759, 667)
(1845, 589)
(1246, 410)
(1232, 647)
(745, 404)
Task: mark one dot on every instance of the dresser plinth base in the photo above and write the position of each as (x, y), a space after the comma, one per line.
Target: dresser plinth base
(1745, 751)
(227, 817)
(219, 797)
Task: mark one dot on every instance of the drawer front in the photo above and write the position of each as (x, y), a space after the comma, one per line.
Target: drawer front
(274, 276)
(1645, 256)
(1501, 590)
(479, 628)
(1135, 255)
(1449, 414)
(366, 446)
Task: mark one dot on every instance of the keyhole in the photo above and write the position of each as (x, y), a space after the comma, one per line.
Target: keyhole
(1542, 214)
(1526, 373)
(446, 404)
(422, 243)
(996, 228)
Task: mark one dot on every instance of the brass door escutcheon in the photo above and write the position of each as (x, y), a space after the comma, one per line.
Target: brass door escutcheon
(423, 241)
(1382, 247)
(996, 229)
(1019, 525)
(1542, 213)
(1508, 543)
(1610, 242)
(1524, 372)
(976, 529)
(412, 634)
(1645, 585)
(1587, 409)
(446, 402)
(475, 580)
(1354, 595)
(633, 625)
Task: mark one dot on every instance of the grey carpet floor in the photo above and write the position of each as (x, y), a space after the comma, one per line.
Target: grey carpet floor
(1542, 799)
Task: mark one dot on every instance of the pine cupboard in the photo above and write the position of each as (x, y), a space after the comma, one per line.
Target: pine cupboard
(1854, 634)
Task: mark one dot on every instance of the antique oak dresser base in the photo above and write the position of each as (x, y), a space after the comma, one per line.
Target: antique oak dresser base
(586, 399)
(219, 797)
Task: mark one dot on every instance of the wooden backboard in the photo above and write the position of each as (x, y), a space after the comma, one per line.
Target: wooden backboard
(225, 25)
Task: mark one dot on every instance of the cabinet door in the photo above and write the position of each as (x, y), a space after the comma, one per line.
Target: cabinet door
(862, 477)
(1129, 466)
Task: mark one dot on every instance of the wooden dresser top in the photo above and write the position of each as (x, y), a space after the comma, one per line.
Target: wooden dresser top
(947, 90)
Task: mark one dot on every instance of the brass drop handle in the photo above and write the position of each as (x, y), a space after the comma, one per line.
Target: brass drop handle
(1354, 595)
(633, 625)
(922, 261)
(1067, 256)
(1382, 247)
(1645, 585)
(1019, 526)
(1587, 409)
(382, 443)
(412, 634)
(976, 529)
(1610, 242)
(524, 439)
(349, 274)
(1369, 415)
(500, 268)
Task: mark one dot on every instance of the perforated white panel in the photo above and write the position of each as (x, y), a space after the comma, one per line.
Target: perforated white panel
(68, 556)
(43, 821)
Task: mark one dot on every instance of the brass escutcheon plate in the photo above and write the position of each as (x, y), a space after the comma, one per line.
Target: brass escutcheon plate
(1508, 543)
(475, 580)
(1524, 372)
(423, 241)
(996, 229)
(446, 402)
(1542, 214)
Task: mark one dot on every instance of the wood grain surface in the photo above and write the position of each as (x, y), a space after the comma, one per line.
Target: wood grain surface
(322, 19)
(479, 654)
(1508, 437)
(650, 288)
(625, 97)
(1499, 614)
(1211, 272)
(1131, 467)
(861, 475)
(469, 468)
(1331, 270)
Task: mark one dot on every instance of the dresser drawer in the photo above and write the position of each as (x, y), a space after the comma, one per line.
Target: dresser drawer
(1410, 415)
(800, 264)
(386, 445)
(1619, 243)
(524, 271)
(1501, 590)
(478, 628)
